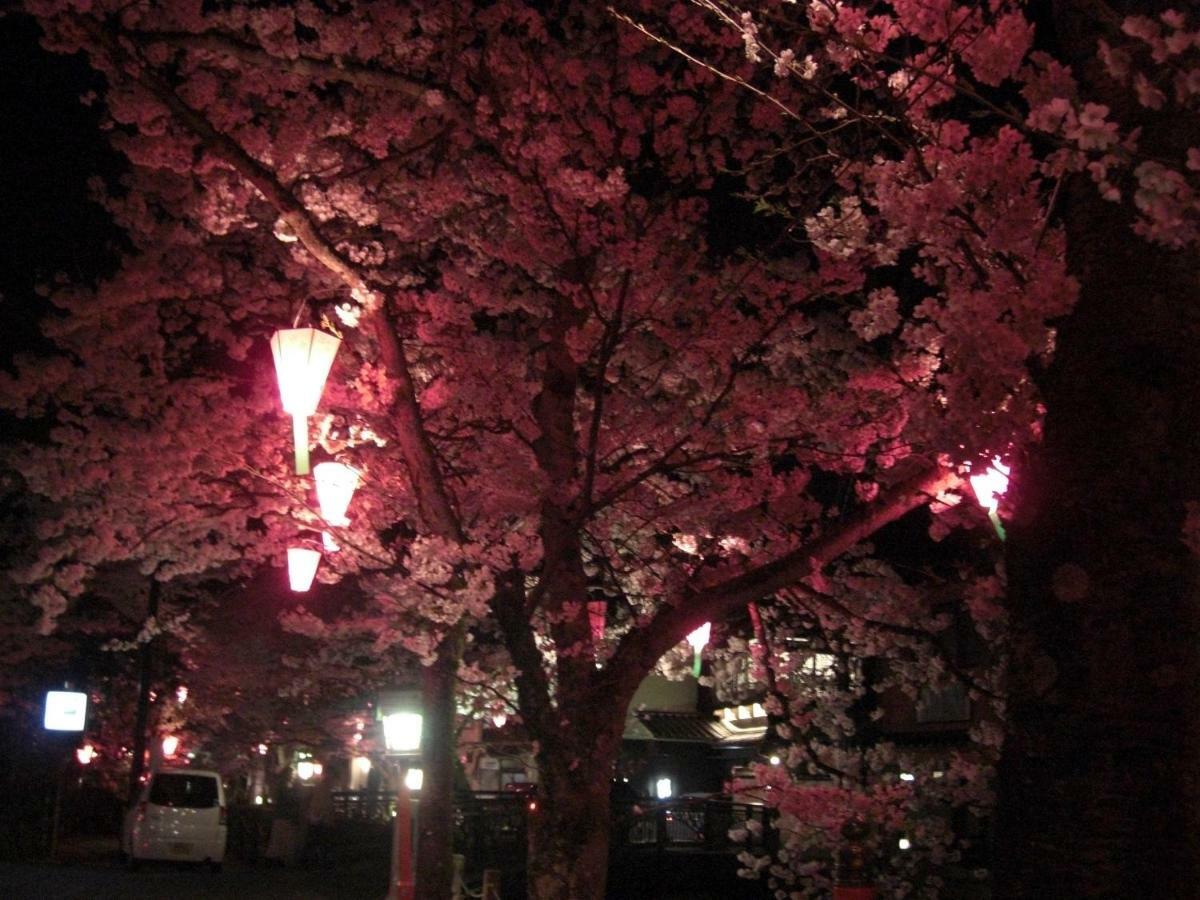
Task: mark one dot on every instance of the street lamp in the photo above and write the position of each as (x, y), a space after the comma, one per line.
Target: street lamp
(303, 358)
(989, 487)
(400, 713)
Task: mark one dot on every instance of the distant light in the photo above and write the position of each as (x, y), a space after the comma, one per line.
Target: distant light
(65, 711)
(181, 694)
(170, 745)
(258, 800)
(262, 749)
(414, 778)
(939, 774)
(907, 776)
(499, 719)
(663, 788)
(775, 760)
(191, 756)
(305, 769)
(362, 765)
(357, 737)
(302, 567)
(904, 843)
(402, 732)
(85, 754)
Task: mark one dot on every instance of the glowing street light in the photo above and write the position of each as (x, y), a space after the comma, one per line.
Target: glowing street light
(336, 484)
(699, 640)
(989, 487)
(170, 746)
(303, 358)
(302, 567)
(85, 754)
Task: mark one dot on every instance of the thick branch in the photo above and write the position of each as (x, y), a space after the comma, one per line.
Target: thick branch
(643, 647)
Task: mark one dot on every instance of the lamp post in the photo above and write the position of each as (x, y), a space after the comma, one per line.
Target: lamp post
(303, 358)
(400, 714)
(989, 487)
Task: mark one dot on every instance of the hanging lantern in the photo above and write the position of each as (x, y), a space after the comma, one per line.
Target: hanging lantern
(302, 567)
(170, 746)
(85, 754)
(336, 484)
(303, 358)
(699, 639)
(989, 488)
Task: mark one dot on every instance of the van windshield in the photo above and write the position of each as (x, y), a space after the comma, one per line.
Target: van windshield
(187, 791)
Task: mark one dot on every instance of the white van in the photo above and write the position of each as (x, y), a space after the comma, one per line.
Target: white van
(180, 815)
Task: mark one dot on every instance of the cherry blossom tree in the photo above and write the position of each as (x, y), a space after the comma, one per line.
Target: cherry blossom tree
(617, 323)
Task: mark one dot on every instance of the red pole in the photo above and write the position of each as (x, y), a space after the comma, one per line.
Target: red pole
(401, 884)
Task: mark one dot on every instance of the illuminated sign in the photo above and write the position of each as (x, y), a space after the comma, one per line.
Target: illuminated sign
(65, 711)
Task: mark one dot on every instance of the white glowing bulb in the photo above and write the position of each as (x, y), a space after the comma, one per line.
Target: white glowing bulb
(413, 779)
(170, 745)
(662, 788)
(85, 754)
(306, 769)
(904, 843)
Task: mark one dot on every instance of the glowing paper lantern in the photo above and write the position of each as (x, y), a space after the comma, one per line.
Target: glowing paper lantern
(402, 732)
(170, 745)
(336, 484)
(303, 358)
(989, 488)
(699, 639)
(302, 567)
(85, 754)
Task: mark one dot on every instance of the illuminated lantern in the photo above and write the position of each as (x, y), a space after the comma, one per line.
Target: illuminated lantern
(303, 358)
(170, 745)
(302, 567)
(989, 488)
(699, 639)
(336, 484)
(85, 754)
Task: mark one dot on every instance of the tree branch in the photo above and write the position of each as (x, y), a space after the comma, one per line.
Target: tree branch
(641, 648)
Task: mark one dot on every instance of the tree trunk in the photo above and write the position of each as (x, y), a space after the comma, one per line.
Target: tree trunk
(569, 834)
(1098, 777)
(435, 826)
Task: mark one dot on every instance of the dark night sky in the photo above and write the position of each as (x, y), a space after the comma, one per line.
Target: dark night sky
(50, 145)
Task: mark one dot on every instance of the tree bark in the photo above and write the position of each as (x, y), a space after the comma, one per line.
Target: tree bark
(1098, 775)
(569, 836)
(435, 859)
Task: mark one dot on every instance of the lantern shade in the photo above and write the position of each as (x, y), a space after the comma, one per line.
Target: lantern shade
(597, 616)
(991, 485)
(699, 638)
(303, 358)
(336, 484)
(302, 567)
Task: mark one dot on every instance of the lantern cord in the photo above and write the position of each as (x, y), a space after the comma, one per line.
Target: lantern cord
(299, 313)
(300, 438)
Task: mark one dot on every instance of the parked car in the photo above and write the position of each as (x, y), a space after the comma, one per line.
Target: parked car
(180, 815)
